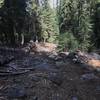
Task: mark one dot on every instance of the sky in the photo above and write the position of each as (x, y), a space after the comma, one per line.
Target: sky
(53, 3)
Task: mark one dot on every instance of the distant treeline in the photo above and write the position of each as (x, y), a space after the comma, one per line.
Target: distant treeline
(73, 23)
(79, 21)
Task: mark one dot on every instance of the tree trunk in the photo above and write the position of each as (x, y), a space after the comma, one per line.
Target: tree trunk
(22, 39)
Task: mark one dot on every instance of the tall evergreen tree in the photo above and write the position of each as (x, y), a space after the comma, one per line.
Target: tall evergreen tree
(75, 18)
(48, 21)
(19, 19)
(96, 35)
(12, 15)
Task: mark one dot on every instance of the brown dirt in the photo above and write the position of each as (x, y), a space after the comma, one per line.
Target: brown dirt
(50, 81)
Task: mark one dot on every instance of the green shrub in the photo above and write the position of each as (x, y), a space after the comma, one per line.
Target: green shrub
(67, 41)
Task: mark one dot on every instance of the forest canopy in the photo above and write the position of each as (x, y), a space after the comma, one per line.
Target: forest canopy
(72, 24)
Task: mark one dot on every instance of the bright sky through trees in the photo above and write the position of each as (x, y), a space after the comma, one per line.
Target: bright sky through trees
(53, 3)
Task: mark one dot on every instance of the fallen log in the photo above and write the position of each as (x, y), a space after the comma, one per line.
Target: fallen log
(10, 49)
(13, 50)
(31, 69)
(10, 73)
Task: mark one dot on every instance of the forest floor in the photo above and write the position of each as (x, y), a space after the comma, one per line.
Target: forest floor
(46, 79)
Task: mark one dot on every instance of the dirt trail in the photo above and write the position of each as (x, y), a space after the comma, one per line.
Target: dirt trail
(49, 80)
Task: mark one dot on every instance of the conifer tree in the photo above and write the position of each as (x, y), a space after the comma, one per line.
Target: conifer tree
(96, 35)
(75, 18)
(48, 21)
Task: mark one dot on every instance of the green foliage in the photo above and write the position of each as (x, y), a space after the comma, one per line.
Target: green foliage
(19, 18)
(75, 17)
(1, 3)
(12, 15)
(73, 23)
(67, 41)
(48, 22)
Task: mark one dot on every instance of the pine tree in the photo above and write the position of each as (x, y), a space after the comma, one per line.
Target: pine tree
(75, 18)
(48, 21)
(12, 15)
(19, 20)
(96, 35)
